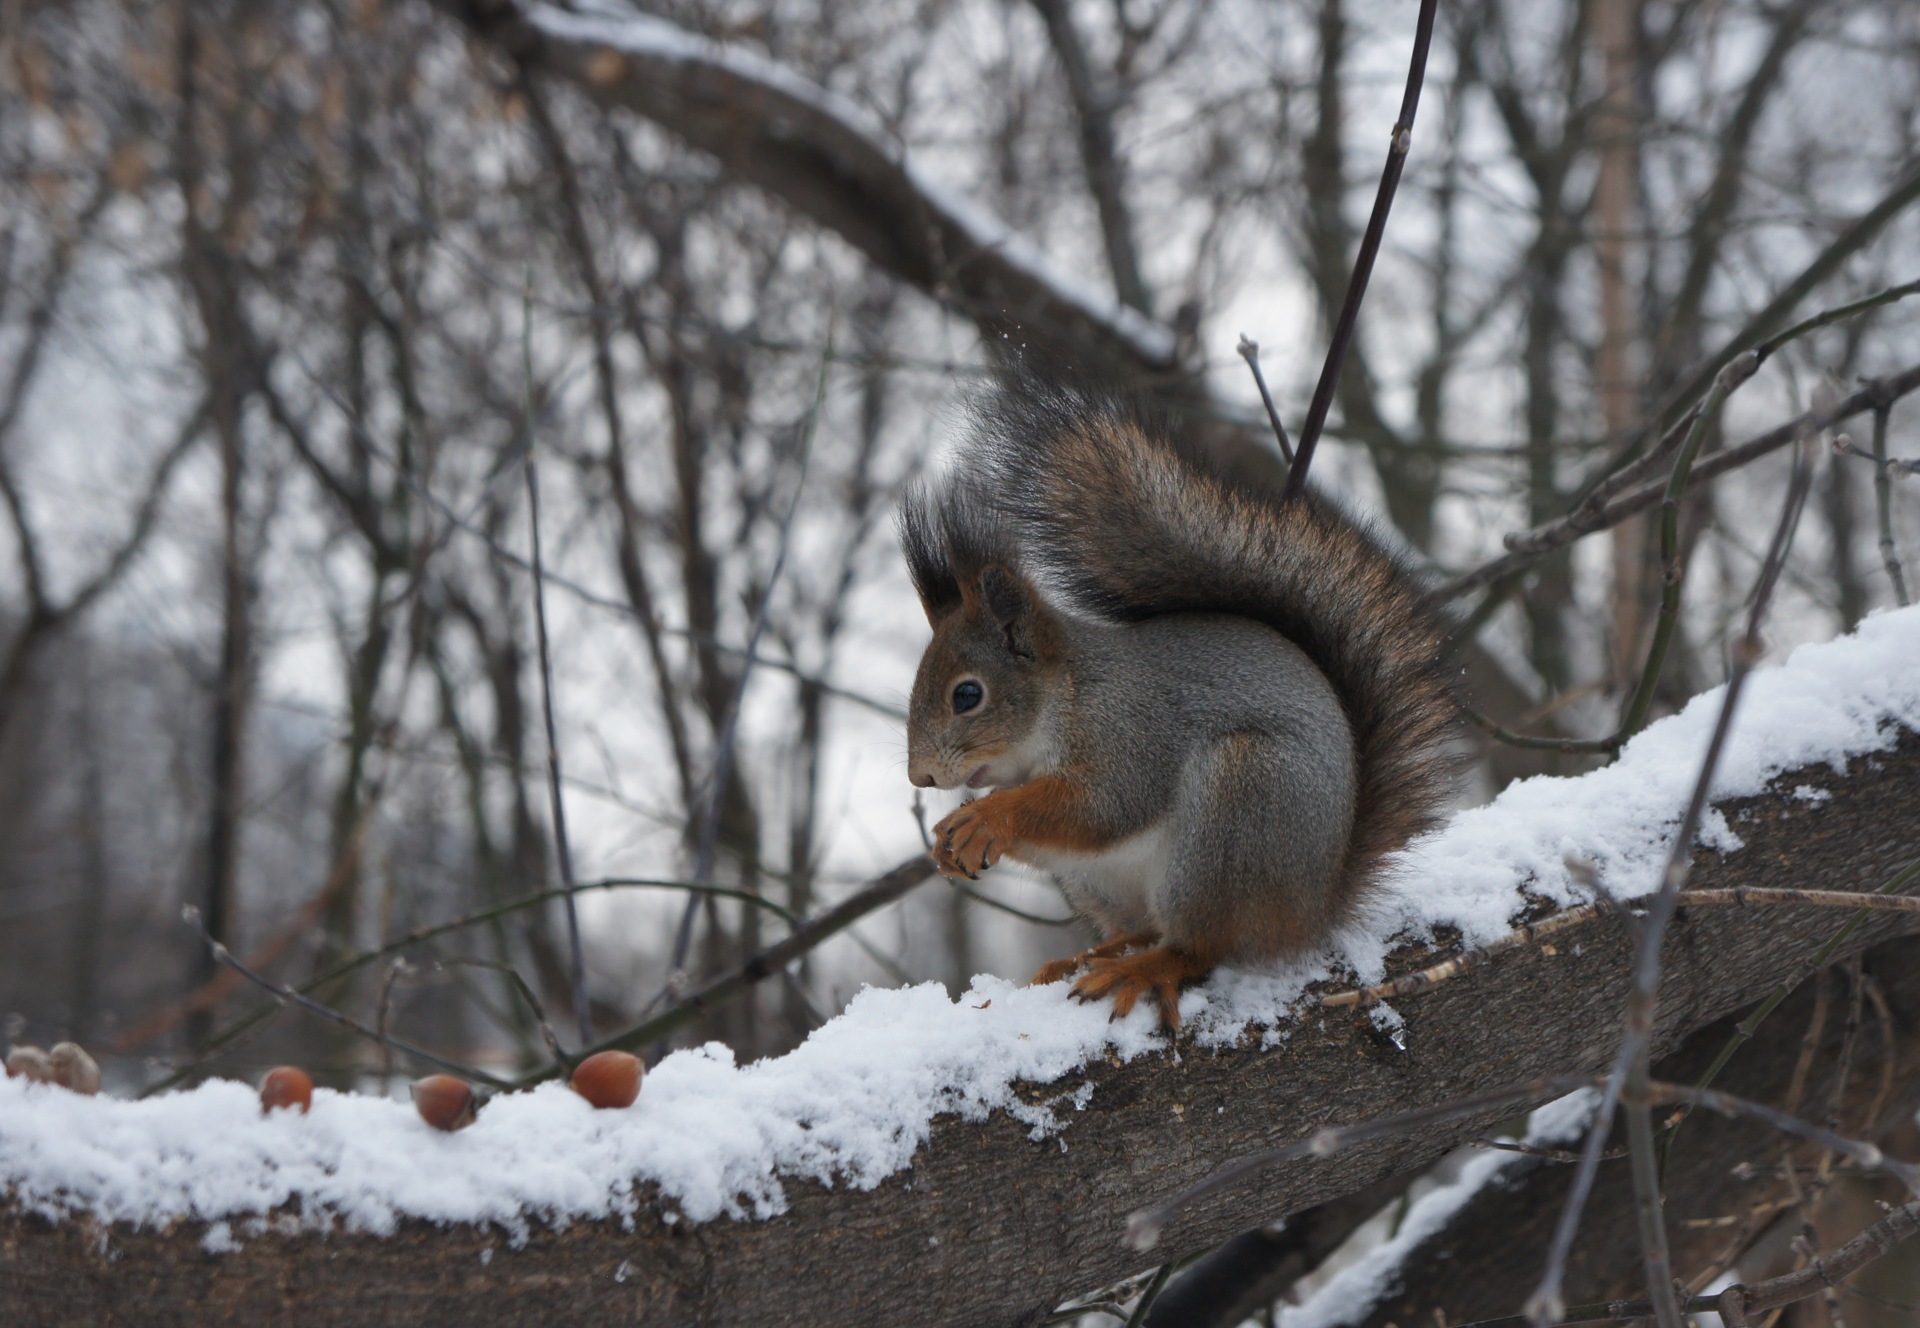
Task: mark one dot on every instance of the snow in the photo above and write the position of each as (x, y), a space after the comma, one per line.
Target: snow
(1346, 1296)
(854, 1102)
(655, 39)
(1828, 702)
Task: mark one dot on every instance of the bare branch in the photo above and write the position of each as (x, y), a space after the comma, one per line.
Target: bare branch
(1733, 1304)
(882, 891)
(1626, 1082)
(1021, 1226)
(563, 850)
(285, 993)
(1399, 143)
(1250, 352)
(1529, 546)
(1094, 102)
(1883, 499)
(827, 158)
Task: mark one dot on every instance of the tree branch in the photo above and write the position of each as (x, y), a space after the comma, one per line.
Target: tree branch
(1528, 547)
(1007, 1228)
(828, 159)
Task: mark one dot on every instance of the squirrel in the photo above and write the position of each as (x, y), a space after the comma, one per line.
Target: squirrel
(1206, 713)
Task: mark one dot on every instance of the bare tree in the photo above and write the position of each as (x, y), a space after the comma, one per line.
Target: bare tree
(725, 271)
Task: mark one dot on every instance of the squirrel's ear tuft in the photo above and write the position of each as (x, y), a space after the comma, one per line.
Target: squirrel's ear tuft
(925, 548)
(1009, 599)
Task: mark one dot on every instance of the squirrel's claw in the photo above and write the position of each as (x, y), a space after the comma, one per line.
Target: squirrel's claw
(965, 843)
(1126, 978)
(1055, 969)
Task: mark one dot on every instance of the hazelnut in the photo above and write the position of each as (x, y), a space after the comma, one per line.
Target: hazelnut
(286, 1086)
(608, 1078)
(29, 1063)
(444, 1102)
(73, 1068)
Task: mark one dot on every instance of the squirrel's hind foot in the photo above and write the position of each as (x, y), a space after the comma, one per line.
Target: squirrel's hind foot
(1160, 971)
(1054, 970)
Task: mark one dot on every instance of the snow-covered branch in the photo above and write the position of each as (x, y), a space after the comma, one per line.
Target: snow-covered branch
(934, 1160)
(825, 156)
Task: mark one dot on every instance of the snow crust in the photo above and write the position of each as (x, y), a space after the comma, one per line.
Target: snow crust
(1346, 1296)
(1828, 702)
(852, 1105)
(652, 38)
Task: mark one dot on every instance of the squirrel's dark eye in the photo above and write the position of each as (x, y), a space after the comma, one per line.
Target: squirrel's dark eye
(966, 696)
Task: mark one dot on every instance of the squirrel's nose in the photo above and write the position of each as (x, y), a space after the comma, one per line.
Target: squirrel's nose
(920, 779)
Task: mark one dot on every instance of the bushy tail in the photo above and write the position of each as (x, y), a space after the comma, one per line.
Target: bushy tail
(1131, 527)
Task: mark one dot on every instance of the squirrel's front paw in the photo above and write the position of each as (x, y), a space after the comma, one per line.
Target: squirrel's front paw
(966, 842)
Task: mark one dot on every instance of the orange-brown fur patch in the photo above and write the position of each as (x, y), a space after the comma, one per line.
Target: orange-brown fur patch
(1055, 969)
(1160, 971)
(1047, 812)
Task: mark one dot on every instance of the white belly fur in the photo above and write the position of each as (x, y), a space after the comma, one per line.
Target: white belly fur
(1123, 879)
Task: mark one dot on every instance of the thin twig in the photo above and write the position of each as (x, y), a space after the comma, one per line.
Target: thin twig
(1537, 742)
(1250, 352)
(576, 957)
(1840, 313)
(1650, 1212)
(1883, 507)
(1633, 716)
(1883, 1021)
(724, 747)
(1527, 547)
(380, 1010)
(1397, 149)
(1748, 1026)
(1037, 919)
(1830, 1269)
(1691, 430)
(1826, 1271)
(420, 935)
(211, 993)
(1672, 566)
(1734, 1303)
(1866, 903)
(458, 520)
(1409, 984)
(1888, 465)
(285, 993)
(1625, 477)
(526, 994)
(883, 890)
(1867, 1156)
(1629, 1070)
(1904, 193)
(1111, 1308)
(1151, 1294)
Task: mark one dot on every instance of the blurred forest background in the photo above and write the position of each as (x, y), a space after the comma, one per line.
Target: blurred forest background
(288, 288)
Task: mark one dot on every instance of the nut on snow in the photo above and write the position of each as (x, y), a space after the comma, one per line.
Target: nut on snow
(73, 1068)
(29, 1063)
(286, 1086)
(444, 1102)
(608, 1078)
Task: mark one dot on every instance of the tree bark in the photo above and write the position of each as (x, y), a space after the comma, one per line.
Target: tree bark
(1715, 1207)
(990, 1227)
